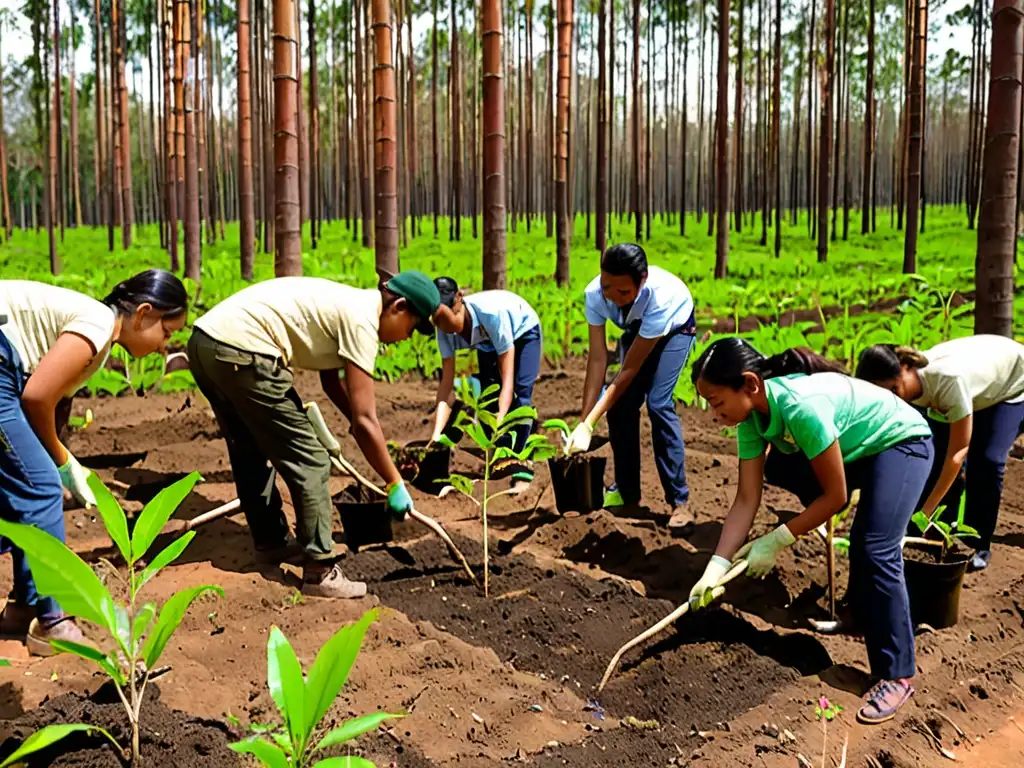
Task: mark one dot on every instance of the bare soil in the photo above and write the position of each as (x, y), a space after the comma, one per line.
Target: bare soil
(513, 676)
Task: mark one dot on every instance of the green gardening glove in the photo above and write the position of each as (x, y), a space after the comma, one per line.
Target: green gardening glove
(762, 552)
(399, 500)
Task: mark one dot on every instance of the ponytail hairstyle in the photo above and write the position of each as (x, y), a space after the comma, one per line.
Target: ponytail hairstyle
(157, 287)
(726, 360)
(626, 259)
(884, 362)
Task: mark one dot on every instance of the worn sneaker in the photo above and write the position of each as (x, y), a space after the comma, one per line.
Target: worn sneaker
(980, 560)
(285, 552)
(884, 701)
(331, 583)
(682, 520)
(42, 631)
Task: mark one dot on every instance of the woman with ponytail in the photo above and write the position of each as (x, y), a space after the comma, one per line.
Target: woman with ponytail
(973, 390)
(51, 341)
(829, 434)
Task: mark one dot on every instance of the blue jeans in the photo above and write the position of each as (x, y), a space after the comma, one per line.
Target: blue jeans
(654, 385)
(30, 489)
(992, 435)
(528, 350)
(890, 485)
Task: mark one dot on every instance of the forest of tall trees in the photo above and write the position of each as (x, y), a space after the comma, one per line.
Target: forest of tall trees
(398, 118)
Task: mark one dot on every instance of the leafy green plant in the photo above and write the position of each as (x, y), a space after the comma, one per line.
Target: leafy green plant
(491, 435)
(825, 712)
(949, 532)
(137, 632)
(303, 702)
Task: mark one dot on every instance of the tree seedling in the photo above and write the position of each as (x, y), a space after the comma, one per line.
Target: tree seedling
(137, 632)
(303, 702)
(491, 436)
(950, 533)
(825, 712)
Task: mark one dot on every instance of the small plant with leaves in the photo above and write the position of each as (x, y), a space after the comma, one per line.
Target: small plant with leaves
(303, 702)
(491, 436)
(135, 630)
(950, 532)
(825, 712)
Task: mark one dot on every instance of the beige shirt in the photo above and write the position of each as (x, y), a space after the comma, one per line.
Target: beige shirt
(307, 322)
(37, 313)
(971, 374)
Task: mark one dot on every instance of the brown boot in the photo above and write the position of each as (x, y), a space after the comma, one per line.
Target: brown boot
(15, 620)
(331, 582)
(42, 631)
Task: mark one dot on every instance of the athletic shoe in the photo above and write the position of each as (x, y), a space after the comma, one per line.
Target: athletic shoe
(884, 701)
(980, 560)
(42, 631)
(331, 583)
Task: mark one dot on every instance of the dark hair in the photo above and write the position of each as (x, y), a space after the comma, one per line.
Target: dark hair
(158, 287)
(726, 360)
(448, 289)
(883, 362)
(625, 259)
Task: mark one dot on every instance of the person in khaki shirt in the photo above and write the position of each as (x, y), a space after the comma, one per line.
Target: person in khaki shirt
(243, 353)
(972, 389)
(51, 341)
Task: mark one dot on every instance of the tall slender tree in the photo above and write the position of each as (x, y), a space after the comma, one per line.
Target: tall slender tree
(915, 130)
(825, 137)
(361, 137)
(246, 216)
(188, 14)
(722, 143)
(601, 159)
(738, 123)
(385, 186)
(635, 179)
(867, 203)
(118, 30)
(288, 237)
(314, 129)
(777, 128)
(562, 221)
(456, 125)
(434, 74)
(494, 146)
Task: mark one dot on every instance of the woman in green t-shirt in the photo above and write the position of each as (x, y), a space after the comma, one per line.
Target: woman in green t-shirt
(830, 433)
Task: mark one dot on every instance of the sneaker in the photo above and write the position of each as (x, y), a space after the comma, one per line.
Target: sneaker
(331, 583)
(682, 520)
(285, 552)
(612, 498)
(15, 621)
(42, 631)
(980, 560)
(884, 701)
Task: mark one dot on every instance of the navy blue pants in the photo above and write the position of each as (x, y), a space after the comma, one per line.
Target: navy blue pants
(528, 350)
(890, 485)
(30, 489)
(992, 435)
(654, 385)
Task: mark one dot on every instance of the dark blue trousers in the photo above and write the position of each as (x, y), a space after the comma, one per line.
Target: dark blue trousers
(890, 485)
(30, 489)
(654, 385)
(992, 435)
(528, 350)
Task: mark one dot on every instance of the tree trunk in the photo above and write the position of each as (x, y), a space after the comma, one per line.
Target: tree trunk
(171, 170)
(996, 225)
(562, 221)
(410, 132)
(99, 145)
(609, 202)
(385, 187)
(837, 91)
(56, 170)
(722, 143)
(684, 119)
(738, 123)
(127, 200)
(313, 160)
(494, 147)
(635, 183)
(246, 216)
(812, 55)
(434, 67)
(193, 244)
(915, 128)
(361, 142)
(869, 124)
(74, 183)
(601, 158)
(287, 207)
(825, 142)
(777, 127)
(7, 224)
(456, 87)
(549, 175)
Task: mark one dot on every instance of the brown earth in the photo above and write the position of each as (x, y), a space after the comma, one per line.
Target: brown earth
(513, 676)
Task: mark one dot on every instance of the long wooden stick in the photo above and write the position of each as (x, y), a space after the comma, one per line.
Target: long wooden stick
(738, 567)
(830, 556)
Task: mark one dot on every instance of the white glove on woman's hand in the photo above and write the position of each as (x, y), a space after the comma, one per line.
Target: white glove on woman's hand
(579, 440)
(75, 478)
(700, 595)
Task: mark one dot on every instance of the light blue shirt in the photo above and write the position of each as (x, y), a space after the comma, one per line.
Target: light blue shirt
(498, 319)
(663, 305)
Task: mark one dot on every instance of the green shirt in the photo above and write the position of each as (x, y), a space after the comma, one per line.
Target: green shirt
(809, 413)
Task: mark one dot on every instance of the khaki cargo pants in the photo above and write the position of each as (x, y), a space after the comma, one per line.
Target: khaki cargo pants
(266, 429)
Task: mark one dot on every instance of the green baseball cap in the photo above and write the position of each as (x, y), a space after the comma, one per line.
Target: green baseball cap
(421, 294)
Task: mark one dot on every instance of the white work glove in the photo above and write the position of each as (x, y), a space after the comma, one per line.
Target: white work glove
(762, 552)
(579, 440)
(321, 430)
(75, 478)
(700, 595)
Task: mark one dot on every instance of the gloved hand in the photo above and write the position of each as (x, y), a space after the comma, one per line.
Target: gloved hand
(579, 440)
(762, 552)
(700, 595)
(75, 477)
(399, 500)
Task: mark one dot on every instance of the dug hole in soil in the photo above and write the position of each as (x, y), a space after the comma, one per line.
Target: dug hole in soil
(511, 676)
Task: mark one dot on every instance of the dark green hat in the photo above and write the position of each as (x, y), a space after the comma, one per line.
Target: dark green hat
(421, 294)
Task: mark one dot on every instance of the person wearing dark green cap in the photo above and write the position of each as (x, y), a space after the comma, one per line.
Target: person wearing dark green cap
(243, 353)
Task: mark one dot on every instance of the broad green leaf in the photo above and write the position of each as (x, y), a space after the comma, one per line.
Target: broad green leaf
(167, 555)
(558, 424)
(476, 432)
(142, 621)
(284, 678)
(170, 617)
(61, 574)
(94, 655)
(966, 530)
(333, 663)
(344, 762)
(123, 633)
(521, 414)
(461, 484)
(113, 516)
(268, 754)
(156, 514)
(920, 519)
(491, 391)
(49, 735)
(357, 726)
(445, 441)
(488, 419)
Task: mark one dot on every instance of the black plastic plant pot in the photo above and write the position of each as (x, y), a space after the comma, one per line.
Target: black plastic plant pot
(433, 470)
(364, 522)
(933, 586)
(578, 482)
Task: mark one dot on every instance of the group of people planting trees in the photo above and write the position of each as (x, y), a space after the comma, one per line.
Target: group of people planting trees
(910, 430)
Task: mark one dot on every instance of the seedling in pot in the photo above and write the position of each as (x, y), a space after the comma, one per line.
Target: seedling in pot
(135, 630)
(950, 533)
(488, 433)
(303, 702)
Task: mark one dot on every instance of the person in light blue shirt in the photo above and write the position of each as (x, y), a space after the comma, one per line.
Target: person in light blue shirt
(505, 332)
(655, 310)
